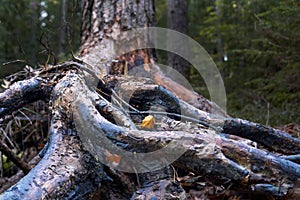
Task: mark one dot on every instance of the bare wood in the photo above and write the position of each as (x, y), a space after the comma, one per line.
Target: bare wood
(67, 170)
(273, 139)
(64, 162)
(186, 95)
(219, 161)
(22, 93)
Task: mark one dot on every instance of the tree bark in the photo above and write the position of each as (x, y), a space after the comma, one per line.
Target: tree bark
(63, 28)
(218, 6)
(178, 21)
(94, 99)
(33, 5)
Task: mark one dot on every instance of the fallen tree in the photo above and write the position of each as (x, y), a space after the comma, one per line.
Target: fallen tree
(219, 152)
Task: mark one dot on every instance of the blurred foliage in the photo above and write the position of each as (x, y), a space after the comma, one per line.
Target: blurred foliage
(259, 40)
(27, 26)
(260, 43)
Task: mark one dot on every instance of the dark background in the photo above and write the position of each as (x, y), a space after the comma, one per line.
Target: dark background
(255, 44)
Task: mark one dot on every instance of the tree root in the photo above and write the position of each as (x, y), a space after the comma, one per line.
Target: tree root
(112, 135)
(22, 93)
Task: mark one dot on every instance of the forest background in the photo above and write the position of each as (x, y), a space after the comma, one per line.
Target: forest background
(255, 44)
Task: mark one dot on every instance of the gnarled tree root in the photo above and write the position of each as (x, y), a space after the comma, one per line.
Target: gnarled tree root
(68, 171)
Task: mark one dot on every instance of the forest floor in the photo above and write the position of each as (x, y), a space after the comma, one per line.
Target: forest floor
(26, 130)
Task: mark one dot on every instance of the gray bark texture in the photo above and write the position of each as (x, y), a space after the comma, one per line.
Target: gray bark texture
(240, 156)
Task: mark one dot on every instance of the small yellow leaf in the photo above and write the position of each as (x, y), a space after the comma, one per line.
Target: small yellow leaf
(148, 122)
(5, 84)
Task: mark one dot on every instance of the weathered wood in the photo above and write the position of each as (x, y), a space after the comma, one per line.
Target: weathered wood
(64, 165)
(22, 93)
(164, 189)
(228, 158)
(271, 138)
(108, 125)
(144, 93)
(6, 183)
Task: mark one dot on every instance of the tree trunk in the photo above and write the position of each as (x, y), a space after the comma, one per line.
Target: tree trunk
(33, 13)
(63, 28)
(218, 5)
(104, 145)
(178, 21)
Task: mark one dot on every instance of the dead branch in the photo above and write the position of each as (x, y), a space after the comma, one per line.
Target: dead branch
(22, 93)
(14, 158)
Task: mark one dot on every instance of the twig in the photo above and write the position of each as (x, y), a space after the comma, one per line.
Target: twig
(89, 70)
(48, 49)
(135, 111)
(69, 64)
(120, 106)
(294, 158)
(127, 104)
(25, 116)
(6, 136)
(14, 61)
(14, 158)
